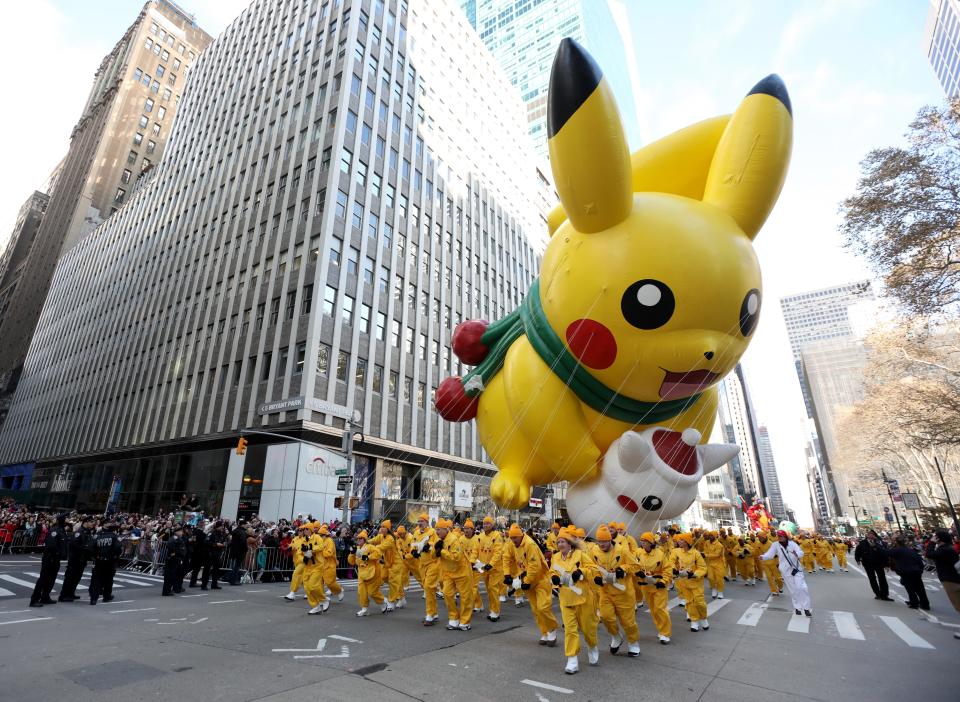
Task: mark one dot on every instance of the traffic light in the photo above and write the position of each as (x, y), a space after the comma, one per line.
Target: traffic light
(241, 446)
(338, 503)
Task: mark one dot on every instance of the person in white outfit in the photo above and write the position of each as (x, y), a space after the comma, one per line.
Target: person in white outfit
(790, 555)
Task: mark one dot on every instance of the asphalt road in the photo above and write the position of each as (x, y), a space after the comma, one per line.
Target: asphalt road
(247, 643)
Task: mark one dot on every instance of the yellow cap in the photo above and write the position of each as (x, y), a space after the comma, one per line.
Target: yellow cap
(324, 530)
(566, 534)
(622, 526)
(580, 532)
(515, 531)
(362, 534)
(488, 519)
(444, 523)
(613, 525)
(603, 533)
(424, 517)
(468, 524)
(648, 537)
(401, 530)
(684, 537)
(554, 526)
(386, 524)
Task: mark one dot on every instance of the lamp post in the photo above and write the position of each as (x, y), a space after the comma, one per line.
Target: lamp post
(856, 518)
(946, 493)
(896, 515)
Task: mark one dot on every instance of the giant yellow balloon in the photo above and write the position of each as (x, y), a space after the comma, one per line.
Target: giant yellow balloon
(648, 294)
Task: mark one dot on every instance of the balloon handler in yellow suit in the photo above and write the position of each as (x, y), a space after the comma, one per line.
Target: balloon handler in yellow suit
(456, 575)
(648, 294)
(296, 552)
(369, 576)
(525, 570)
(616, 566)
(422, 551)
(690, 570)
(325, 546)
(312, 562)
(653, 578)
(490, 567)
(570, 567)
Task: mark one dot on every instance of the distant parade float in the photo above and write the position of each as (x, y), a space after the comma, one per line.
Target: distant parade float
(648, 295)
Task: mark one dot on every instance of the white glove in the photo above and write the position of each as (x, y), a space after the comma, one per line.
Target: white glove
(478, 565)
(610, 577)
(517, 583)
(308, 554)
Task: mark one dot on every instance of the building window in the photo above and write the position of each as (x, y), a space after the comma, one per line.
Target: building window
(353, 258)
(151, 146)
(145, 164)
(360, 374)
(160, 70)
(377, 384)
(307, 303)
(365, 318)
(298, 359)
(346, 158)
(348, 303)
(381, 326)
(156, 129)
(343, 362)
(125, 177)
(155, 86)
(137, 139)
(323, 359)
(329, 300)
(148, 105)
(121, 193)
(267, 362)
(282, 361)
(144, 121)
(341, 204)
(335, 247)
(291, 303)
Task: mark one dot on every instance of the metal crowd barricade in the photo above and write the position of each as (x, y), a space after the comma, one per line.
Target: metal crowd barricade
(23, 541)
(260, 564)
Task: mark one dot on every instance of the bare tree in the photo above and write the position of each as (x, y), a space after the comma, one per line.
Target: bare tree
(905, 214)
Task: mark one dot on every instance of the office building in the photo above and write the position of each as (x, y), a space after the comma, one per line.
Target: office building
(819, 315)
(769, 469)
(523, 36)
(738, 424)
(941, 43)
(344, 183)
(119, 138)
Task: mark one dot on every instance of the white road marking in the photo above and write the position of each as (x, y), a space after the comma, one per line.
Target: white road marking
(545, 686)
(59, 581)
(321, 644)
(201, 619)
(122, 602)
(13, 611)
(344, 653)
(799, 623)
(225, 601)
(673, 603)
(121, 611)
(344, 638)
(847, 626)
(716, 605)
(18, 581)
(752, 616)
(132, 581)
(246, 591)
(5, 593)
(906, 633)
(202, 594)
(22, 621)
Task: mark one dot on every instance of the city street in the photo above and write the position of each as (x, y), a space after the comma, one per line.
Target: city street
(247, 643)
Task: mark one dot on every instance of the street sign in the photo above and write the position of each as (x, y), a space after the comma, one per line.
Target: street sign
(287, 405)
(341, 471)
(894, 490)
(343, 481)
(886, 509)
(911, 500)
(888, 516)
(865, 522)
(334, 410)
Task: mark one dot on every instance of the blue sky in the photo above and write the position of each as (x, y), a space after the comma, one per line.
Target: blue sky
(855, 69)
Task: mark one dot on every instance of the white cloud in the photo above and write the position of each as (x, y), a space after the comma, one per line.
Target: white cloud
(49, 73)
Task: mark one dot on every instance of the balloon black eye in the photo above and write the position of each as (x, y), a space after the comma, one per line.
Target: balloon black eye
(749, 312)
(651, 503)
(647, 304)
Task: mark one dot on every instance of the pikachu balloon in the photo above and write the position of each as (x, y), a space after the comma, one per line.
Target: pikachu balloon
(648, 294)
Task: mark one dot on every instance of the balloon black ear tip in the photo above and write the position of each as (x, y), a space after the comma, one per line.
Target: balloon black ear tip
(574, 76)
(773, 86)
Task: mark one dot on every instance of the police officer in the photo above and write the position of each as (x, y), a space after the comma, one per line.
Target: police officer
(106, 551)
(173, 565)
(54, 550)
(197, 544)
(81, 550)
(216, 546)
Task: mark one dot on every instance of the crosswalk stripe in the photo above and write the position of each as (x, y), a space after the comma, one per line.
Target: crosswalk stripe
(5, 593)
(906, 633)
(673, 603)
(799, 624)
(716, 605)
(58, 581)
(141, 583)
(752, 616)
(847, 626)
(17, 581)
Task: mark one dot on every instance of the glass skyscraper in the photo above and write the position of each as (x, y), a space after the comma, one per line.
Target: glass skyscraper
(941, 41)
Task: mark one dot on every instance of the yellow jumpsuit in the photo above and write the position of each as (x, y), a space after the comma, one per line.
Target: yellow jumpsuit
(296, 580)
(455, 577)
(327, 550)
(745, 564)
(755, 550)
(823, 553)
(551, 544)
(691, 588)
(771, 568)
(403, 557)
(429, 567)
(575, 609)
(840, 549)
(617, 607)
(391, 559)
(312, 574)
(490, 552)
(808, 559)
(658, 568)
(527, 563)
(369, 576)
(730, 543)
(715, 554)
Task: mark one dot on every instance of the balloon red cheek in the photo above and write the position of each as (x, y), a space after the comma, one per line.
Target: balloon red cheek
(592, 343)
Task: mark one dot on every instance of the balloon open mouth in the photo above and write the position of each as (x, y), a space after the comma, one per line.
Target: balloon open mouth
(628, 504)
(677, 386)
(675, 452)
